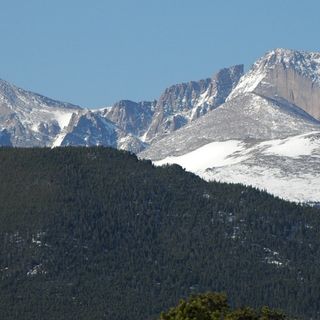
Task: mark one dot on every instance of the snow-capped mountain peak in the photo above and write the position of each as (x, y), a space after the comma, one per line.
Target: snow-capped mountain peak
(285, 75)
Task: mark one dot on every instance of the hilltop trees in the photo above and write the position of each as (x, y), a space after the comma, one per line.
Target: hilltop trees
(214, 306)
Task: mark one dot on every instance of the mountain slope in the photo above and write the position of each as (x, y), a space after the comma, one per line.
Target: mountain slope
(93, 233)
(287, 168)
(247, 116)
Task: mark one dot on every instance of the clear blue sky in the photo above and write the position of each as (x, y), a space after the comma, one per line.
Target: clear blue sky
(96, 52)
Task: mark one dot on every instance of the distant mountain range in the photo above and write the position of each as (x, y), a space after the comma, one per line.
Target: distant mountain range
(33, 120)
(262, 126)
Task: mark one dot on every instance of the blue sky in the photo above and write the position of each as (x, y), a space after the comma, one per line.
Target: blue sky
(96, 52)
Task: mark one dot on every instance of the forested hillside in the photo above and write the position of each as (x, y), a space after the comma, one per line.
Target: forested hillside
(94, 233)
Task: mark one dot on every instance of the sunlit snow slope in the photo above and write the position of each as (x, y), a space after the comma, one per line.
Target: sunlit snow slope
(288, 168)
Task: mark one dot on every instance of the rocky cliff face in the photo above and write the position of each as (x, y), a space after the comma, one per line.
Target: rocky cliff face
(286, 75)
(183, 103)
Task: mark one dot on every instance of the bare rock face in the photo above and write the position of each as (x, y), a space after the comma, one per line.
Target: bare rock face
(288, 75)
(185, 102)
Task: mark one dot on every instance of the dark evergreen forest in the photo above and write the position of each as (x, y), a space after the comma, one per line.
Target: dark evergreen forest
(95, 233)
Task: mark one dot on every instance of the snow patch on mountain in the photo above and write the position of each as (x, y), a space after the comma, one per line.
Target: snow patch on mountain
(217, 153)
(63, 118)
(248, 83)
(293, 147)
(288, 168)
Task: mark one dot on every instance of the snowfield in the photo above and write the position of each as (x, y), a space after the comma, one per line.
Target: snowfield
(288, 168)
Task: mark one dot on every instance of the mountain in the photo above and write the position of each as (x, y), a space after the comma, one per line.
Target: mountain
(185, 102)
(31, 119)
(275, 99)
(28, 119)
(93, 128)
(88, 128)
(94, 233)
